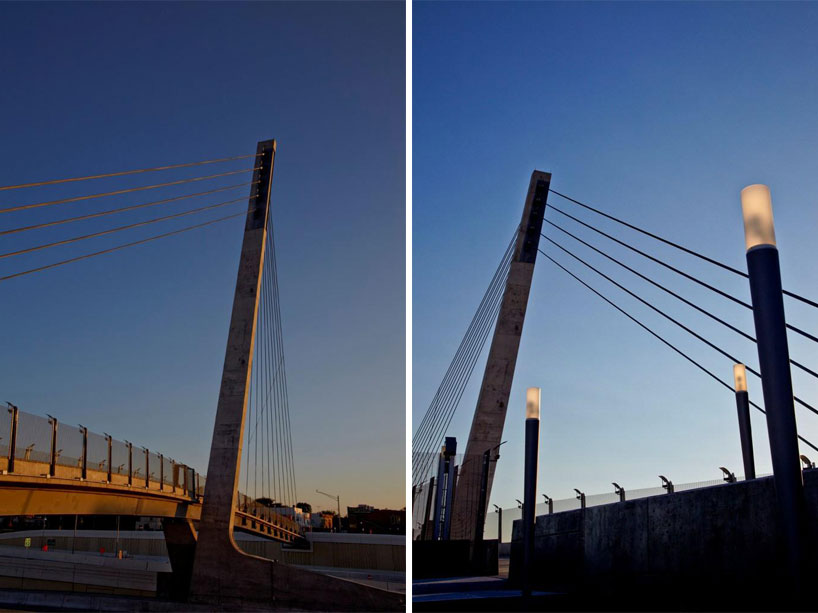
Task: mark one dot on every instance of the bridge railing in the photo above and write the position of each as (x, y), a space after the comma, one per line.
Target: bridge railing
(33, 445)
(38, 446)
(511, 514)
(33, 438)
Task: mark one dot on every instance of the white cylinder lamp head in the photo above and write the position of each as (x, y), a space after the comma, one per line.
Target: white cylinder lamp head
(757, 210)
(740, 376)
(532, 403)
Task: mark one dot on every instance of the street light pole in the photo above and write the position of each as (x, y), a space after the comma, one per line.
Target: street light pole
(774, 361)
(532, 433)
(745, 432)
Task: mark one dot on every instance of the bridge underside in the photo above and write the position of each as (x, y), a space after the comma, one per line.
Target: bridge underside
(22, 494)
(27, 495)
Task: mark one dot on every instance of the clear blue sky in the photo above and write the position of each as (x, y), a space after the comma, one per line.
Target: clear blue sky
(133, 343)
(659, 113)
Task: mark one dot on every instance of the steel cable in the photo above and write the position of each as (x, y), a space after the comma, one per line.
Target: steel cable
(675, 321)
(672, 293)
(127, 172)
(659, 337)
(676, 270)
(676, 245)
(451, 390)
(24, 207)
(119, 247)
(138, 224)
(49, 224)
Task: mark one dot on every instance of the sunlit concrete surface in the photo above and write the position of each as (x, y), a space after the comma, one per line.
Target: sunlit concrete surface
(79, 571)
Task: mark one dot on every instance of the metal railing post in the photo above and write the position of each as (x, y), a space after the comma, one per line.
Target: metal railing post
(84, 461)
(581, 497)
(147, 468)
(130, 463)
(161, 472)
(52, 463)
(550, 502)
(13, 436)
(110, 441)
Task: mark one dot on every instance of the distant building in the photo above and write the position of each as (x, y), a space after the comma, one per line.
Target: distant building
(295, 513)
(322, 521)
(369, 520)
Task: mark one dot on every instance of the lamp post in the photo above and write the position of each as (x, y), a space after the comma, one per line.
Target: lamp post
(532, 433)
(745, 432)
(774, 361)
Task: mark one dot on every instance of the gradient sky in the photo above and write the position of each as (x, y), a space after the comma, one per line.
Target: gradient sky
(659, 113)
(133, 343)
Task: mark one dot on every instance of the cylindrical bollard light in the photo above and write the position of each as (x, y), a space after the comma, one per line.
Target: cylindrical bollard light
(774, 360)
(532, 435)
(744, 430)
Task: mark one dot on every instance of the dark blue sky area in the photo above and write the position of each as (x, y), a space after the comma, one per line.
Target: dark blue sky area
(659, 113)
(133, 343)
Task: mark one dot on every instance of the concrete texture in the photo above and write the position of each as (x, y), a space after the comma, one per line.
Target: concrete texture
(80, 572)
(353, 551)
(492, 404)
(723, 539)
(22, 494)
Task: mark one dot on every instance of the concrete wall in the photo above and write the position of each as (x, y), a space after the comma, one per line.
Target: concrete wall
(135, 542)
(721, 537)
(363, 551)
(80, 572)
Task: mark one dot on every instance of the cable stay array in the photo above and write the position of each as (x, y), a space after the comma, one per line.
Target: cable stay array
(676, 245)
(268, 466)
(732, 358)
(431, 431)
(268, 469)
(429, 435)
(549, 237)
(36, 217)
(701, 310)
(697, 364)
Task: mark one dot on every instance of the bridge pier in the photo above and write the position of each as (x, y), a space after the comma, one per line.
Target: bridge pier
(492, 403)
(222, 574)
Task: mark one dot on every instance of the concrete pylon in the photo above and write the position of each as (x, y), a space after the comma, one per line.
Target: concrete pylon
(490, 415)
(222, 574)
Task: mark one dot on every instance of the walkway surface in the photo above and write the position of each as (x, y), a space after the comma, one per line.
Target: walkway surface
(491, 593)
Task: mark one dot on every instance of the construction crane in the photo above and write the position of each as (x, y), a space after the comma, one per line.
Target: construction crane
(337, 499)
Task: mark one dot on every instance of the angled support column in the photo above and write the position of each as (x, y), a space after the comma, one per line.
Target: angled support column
(490, 415)
(222, 574)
